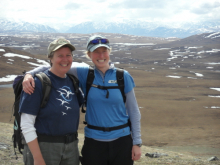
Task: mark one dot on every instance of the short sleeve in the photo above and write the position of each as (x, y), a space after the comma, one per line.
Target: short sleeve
(30, 104)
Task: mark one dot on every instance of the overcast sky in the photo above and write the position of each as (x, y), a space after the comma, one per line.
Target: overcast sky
(58, 13)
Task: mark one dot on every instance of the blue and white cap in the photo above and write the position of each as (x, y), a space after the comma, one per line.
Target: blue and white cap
(97, 41)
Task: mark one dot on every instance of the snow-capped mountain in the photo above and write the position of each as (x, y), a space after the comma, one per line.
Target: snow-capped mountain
(12, 26)
(124, 26)
(150, 29)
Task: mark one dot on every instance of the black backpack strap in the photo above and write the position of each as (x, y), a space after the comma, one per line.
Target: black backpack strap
(46, 85)
(105, 88)
(78, 91)
(120, 81)
(75, 82)
(89, 80)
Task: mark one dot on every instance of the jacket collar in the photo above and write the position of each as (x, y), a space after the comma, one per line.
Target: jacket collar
(111, 66)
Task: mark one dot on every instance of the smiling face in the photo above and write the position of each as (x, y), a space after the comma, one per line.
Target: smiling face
(61, 61)
(100, 57)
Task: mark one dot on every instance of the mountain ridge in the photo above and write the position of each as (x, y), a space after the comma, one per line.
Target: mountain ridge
(20, 26)
(144, 28)
(125, 26)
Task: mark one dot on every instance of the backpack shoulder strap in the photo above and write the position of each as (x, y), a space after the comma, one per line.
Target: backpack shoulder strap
(119, 76)
(120, 81)
(46, 85)
(75, 82)
(17, 86)
(89, 80)
(78, 91)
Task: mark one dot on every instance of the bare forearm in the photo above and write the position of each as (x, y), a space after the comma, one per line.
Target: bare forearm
(35, 150)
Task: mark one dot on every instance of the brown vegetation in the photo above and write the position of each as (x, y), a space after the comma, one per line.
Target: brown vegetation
(7, 156)
(176, 113)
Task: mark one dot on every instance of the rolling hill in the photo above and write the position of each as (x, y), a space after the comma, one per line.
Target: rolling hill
(177, 83)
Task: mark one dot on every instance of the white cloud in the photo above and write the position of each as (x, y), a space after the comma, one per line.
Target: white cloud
(69, 12)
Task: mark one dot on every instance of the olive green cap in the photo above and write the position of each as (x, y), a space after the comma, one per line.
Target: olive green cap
(58, 43)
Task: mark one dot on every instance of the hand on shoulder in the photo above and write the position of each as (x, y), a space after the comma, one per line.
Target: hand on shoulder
(28, 84)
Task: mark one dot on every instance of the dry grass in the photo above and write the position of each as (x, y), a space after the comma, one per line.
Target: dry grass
(172, 110)
(175, 112)
(7, 156)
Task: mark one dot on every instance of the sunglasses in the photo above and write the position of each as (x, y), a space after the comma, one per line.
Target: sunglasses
(99, 41)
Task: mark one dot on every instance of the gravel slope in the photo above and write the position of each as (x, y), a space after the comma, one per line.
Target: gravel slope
(7, 156)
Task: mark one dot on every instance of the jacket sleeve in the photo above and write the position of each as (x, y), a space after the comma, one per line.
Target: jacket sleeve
(134, 115)
(37, 70)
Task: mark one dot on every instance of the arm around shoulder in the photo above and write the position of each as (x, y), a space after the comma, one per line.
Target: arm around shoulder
(28, 84)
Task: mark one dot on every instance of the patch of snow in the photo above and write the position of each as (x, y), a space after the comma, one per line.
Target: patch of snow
(133, 44)
(213, 34)
(213, 63)
(199, 74)
(162, 49)
(174, 76)
(213, 96)
(217, 89)
(43, 62)
(192, 77)
(8, 78)
(215, 107)
(16, 55)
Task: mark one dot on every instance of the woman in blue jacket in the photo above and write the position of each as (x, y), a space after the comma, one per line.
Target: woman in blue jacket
(117, 147)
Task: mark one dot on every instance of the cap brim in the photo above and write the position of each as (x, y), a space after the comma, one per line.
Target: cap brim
(97, 46)
(69, 45)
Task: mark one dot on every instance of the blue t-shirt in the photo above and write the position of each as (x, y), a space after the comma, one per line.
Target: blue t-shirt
(102, 111)
(61, 114)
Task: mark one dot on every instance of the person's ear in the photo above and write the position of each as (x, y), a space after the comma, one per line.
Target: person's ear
(89, 54)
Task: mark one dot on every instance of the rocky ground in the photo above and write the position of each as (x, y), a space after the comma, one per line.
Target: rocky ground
(154, 156)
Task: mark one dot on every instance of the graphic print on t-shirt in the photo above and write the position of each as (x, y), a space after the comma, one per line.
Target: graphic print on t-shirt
(65, 97)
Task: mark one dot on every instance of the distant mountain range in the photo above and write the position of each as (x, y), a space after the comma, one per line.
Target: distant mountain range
(17, 27)
(149, 29)
(131, 27)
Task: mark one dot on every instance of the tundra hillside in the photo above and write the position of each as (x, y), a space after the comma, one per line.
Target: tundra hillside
(7, 156)
(177, 84)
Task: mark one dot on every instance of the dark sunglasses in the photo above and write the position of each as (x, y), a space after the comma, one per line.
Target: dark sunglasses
(99, 41)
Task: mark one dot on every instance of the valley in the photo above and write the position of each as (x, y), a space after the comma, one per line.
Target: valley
(177, 83)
